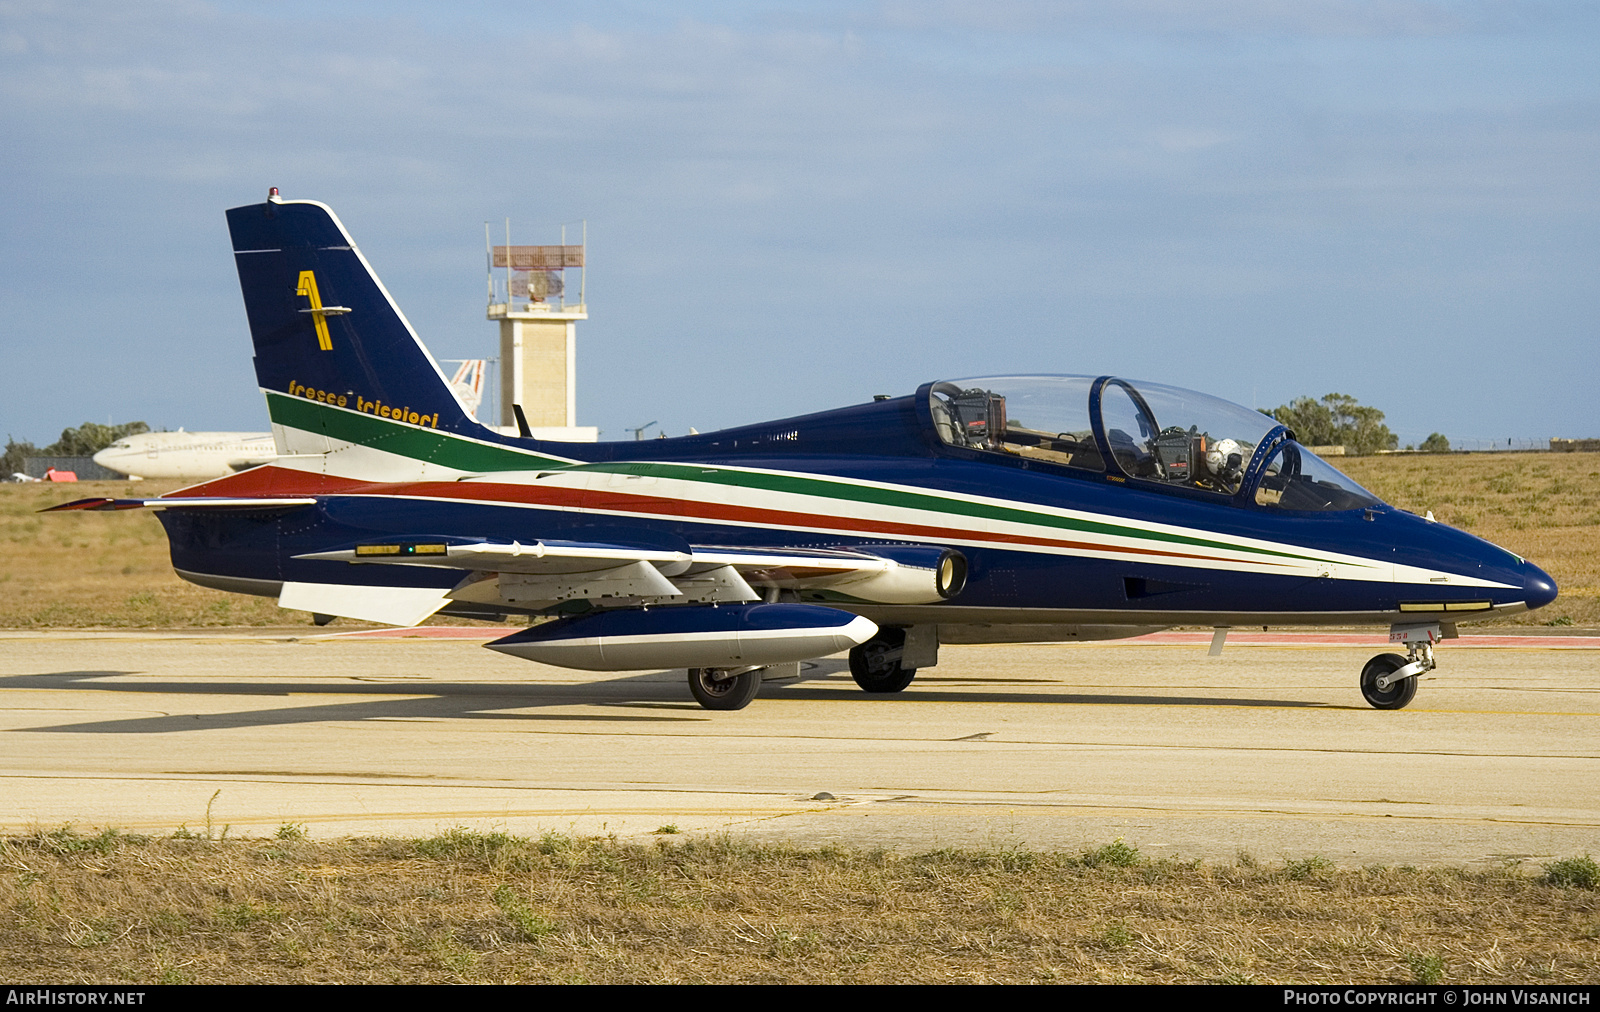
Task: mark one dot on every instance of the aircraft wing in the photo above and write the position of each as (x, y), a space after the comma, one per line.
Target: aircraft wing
(552, 571)
(544, 573)
(559, 570)
(539, 557)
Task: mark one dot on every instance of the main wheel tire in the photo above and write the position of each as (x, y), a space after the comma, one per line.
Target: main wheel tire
(875, 664)
(715, 690)
(1398, 694)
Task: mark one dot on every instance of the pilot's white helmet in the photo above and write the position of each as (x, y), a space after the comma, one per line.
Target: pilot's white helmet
(1219, 452)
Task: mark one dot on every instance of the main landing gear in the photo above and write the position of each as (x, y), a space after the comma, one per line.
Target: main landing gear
(1389, 681)
(725, 688)
(876, 664)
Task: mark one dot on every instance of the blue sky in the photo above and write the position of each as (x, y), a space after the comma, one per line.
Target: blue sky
(793, 206)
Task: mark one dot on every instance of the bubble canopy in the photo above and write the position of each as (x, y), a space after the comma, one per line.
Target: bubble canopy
(1155, 435)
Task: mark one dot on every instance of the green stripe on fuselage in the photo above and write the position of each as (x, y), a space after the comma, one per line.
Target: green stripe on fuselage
(442, 448)
(795, 484)
(449, 450)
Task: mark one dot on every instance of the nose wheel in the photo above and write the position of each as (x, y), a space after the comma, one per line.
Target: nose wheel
(1395, 692)
(1389, 681)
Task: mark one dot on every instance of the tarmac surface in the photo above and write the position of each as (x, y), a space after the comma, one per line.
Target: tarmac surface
(1267, 749)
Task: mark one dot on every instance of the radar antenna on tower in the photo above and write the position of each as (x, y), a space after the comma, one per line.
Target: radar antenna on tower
(528, 289)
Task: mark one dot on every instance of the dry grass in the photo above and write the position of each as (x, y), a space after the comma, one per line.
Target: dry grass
(476, 907)
(92, 569)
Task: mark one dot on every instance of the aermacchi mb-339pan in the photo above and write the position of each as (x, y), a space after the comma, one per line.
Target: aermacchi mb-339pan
(1001, 509)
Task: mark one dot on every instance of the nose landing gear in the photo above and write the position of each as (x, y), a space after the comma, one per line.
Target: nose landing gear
(1389, 681)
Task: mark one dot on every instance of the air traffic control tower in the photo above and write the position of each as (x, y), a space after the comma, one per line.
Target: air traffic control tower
(528, 288)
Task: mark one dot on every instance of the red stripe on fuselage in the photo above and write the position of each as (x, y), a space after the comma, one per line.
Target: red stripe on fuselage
(277, 481)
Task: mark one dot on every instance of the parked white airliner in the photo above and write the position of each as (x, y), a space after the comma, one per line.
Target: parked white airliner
(198, 456)
(187, 456)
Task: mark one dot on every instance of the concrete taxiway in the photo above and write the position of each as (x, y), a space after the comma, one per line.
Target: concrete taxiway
(1268, 748)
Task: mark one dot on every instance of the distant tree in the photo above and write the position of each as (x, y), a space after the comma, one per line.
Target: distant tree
(86, 440)
(89, 439)
(1311, 420)
(12, 461)
(1436, 443)
(1337, 420)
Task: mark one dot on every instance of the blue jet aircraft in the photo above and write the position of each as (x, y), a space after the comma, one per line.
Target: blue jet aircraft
(998, 509)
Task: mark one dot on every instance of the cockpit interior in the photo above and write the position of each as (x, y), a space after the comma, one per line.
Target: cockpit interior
(1148, 433)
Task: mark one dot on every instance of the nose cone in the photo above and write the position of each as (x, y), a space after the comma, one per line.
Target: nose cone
(113, 459)
(1538, 586)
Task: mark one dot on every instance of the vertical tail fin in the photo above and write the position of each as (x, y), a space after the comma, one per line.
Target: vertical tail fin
(337, 360)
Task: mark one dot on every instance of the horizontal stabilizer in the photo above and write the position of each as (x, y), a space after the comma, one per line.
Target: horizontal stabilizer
(193, 502)
(404, 606)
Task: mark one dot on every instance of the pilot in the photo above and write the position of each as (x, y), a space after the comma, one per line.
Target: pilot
(1225, 461)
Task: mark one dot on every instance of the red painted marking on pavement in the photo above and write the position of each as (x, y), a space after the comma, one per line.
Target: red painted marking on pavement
(427, 632)
(1374, 638)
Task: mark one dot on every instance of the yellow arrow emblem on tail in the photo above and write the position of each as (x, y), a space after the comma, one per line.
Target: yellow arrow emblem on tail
(308, 288)
(319, 312)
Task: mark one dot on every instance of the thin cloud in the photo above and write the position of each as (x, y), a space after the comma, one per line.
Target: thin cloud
(1057, 186)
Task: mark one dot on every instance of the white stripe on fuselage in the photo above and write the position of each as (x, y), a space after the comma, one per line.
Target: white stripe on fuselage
(369, 463)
